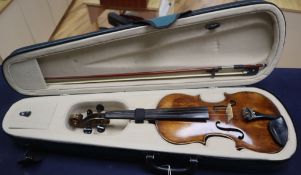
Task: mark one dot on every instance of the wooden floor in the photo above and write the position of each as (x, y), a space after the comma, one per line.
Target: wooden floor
(4, 4)
(77, 20)
(288, 5)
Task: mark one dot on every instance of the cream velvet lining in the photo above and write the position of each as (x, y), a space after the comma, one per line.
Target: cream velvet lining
(248, 35)
(128, 135)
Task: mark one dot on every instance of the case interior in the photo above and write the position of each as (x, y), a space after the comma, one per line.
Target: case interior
(251, 34)
(127, 134)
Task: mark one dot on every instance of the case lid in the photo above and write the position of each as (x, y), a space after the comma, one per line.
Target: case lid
(195, 51)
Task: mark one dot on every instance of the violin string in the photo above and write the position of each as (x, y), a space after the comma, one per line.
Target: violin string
(179, 110)
(175, 112)
(211, 112)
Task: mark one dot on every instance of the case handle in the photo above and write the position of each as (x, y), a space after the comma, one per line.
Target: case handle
(164, 21)
(158, 23)
(150, 161)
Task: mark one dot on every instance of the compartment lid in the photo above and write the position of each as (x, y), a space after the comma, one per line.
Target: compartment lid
(228, 45)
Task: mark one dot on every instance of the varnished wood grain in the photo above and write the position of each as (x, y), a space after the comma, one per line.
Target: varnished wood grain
(257, 136)
(125, 4)
(75, 22)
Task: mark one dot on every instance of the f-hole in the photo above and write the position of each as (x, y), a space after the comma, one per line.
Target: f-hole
(230, 129)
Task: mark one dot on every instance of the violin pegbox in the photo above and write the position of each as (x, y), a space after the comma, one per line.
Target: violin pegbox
(90, 121)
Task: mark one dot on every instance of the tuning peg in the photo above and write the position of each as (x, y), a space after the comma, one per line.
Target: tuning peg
(100, 128)
(87, 130)
(100, 108)
(89, 112)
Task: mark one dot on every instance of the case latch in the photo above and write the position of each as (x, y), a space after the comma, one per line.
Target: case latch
(167, 168)
(31, 157)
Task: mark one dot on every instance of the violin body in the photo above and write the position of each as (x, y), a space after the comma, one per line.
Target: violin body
(250, 119)
(254, 135)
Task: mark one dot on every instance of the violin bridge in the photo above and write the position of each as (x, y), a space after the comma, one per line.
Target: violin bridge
(229, 112)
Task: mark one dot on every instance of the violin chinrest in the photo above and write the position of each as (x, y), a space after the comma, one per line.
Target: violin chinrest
(279, 130)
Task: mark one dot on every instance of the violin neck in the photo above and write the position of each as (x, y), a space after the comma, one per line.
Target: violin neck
(186, 114)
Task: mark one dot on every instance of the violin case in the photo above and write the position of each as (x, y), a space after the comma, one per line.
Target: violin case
(246, 32)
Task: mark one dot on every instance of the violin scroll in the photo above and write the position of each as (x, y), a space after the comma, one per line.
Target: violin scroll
(92, 120)
(75, 120)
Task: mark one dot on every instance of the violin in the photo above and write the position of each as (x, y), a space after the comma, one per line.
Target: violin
(250, 119)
